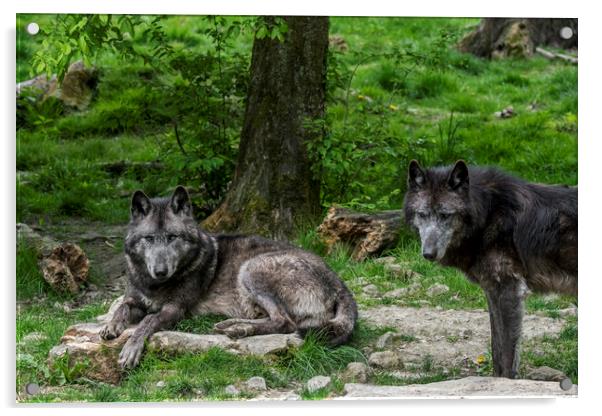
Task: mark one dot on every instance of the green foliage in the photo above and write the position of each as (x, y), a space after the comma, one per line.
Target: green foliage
(83, 36)
(30, 282)
(315, 358)
(202, 324)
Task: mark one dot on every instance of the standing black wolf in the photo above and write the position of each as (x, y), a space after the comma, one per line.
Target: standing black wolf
(505, 234)
(175, 268)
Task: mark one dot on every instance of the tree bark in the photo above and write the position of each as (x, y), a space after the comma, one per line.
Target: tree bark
(273, 189)
(503, 37)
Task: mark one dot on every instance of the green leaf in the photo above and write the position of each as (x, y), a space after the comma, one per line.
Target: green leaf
(262, 32)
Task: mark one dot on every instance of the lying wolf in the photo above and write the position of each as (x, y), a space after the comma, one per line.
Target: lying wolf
(175, 268)
(505, 234)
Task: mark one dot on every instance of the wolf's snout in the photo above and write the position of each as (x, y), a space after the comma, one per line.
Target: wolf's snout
(160, 271)
(429, 254)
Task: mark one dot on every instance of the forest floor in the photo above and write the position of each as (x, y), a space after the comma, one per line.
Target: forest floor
(438, 328)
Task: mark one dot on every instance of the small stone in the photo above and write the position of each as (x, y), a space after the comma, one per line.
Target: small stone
(570, 311)
(385, 340)
(34, 337)
(394, 268)
(545, 373)
(437, 289)
(413, 288)
(316, 383)
(467, 333)
(292, 396)
(396, 293)
(506, 112)
(231, 390)
(385, 260)
(384, 359)
(371, 290)
(160, 384)
(256, 383)
(355, 372)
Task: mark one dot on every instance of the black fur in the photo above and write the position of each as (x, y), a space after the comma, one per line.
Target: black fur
(507, 235)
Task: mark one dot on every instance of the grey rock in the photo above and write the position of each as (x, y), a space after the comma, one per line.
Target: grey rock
(268, 344)
(570, 311)
(402, 271)
(437, 289)
(356, 372)
(316, 383)
(182, 342)
(256, 383)
(273, 395)
(34, 337)
(396, 293)
(231, 390)
(385, 260)
(465, 387)
(385, 340)
(160, 384)
(384, 359)
(371, 290)
(414, 287)
(545, 373)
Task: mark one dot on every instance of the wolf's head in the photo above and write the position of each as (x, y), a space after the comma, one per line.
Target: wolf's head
(163, 236)
(437, 205)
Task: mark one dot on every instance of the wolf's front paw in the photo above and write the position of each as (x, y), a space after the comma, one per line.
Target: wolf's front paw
(112, 330)
(131, 353)
(237, 330)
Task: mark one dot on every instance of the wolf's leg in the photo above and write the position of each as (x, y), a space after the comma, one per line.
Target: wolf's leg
(506, 305)
(126, 313)
(168, 316)
(277, 322)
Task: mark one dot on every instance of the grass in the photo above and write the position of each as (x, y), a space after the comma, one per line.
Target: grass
(401, 110)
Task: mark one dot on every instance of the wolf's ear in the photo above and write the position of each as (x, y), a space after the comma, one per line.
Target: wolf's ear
(180, 201)
(458, 176)
(141, 205)
(416, 176)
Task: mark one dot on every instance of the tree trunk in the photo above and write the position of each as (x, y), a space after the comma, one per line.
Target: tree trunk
(502, 37)
(273, 189)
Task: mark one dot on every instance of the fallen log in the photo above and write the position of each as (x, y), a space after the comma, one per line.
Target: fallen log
(368, 234)
(64, 266)
(554, 55)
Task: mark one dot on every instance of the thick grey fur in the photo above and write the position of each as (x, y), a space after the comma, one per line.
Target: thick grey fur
(507, 235)
(176, 269)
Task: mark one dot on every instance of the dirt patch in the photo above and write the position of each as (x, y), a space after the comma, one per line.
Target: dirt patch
(450, 338)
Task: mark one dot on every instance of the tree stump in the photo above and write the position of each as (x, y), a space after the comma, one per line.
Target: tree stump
(368, 234)
(64, 266)
(503, 37)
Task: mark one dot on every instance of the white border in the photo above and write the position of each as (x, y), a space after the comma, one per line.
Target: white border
(590, 137)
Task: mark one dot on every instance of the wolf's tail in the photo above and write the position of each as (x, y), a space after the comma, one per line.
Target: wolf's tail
(340, 328)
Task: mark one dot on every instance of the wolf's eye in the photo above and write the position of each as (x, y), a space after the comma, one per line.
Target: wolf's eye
(171, 237)
(149, 238)
(422, 215)
(444, 215)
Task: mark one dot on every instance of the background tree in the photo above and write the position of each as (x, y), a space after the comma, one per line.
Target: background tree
(499, 37)
(273, 188)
